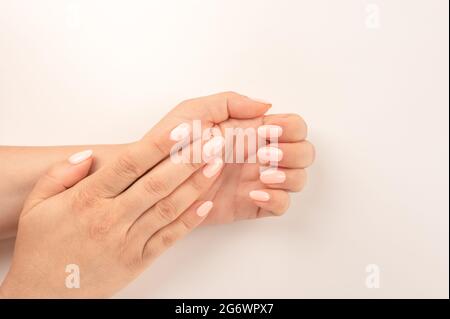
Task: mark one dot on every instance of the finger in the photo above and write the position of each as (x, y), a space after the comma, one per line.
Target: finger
(272, 200)
(163, 179)
(292, 180)
(60, 177)
(288, 155)
(287, 127)
(183, 225)
(177, 125)
(171, 207)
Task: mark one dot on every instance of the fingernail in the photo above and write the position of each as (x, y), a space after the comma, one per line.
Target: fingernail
(205, 208)
(272, 176)
(213, 167)
(79, 157)
(213, 146)
(260, 196)
(180, 132)
(270, 154)
(260, 100)
(270, 131)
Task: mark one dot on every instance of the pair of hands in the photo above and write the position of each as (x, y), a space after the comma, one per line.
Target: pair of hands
(113, 223)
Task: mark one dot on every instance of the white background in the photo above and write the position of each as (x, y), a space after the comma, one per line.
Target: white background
(375, 98)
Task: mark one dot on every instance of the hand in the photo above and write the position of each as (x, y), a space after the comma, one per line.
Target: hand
(231, 191)
(115, 222)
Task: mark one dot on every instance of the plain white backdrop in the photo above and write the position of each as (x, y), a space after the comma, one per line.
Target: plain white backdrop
(369, 77)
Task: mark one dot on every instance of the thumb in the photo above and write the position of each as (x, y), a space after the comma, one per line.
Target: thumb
(220, 107)
(60, 177)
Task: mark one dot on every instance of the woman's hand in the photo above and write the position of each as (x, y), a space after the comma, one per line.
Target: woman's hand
(115, 222)
(23, 166)
(247, 190)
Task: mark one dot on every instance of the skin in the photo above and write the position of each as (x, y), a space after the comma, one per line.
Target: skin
(230, 191)
(115, 221)
(24, 165)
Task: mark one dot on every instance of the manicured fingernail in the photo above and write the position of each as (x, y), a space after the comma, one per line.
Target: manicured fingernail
(213, 146)
(267, 131)
(79, 157)
(270, 154)
(180, 132)
(260, 100)
(259, 196)
(205, 208)
(272, 176)
(213, 167)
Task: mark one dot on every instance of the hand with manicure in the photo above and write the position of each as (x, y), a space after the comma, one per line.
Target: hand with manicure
(261, 188)
(113, 223)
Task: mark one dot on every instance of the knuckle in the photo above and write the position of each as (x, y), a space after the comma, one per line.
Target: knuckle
(186, 102)
(187, 224)
(126, 166)
(197, 185)
(156, 187)
(49, 177)
(160, 147)
(99, 229)
(129, 255)
(228, 94)
(133, 262)
(166, 209)
(150, 251)
(168, 238)
(83, 199)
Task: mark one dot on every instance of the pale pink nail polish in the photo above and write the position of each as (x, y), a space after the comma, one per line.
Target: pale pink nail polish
(259, 196)
(79, 157)
(272, 176)
(213, 147)
(260, 100)
(270, 131)
(270, 154)
(180, 132)
(213, 167)
(205, 208)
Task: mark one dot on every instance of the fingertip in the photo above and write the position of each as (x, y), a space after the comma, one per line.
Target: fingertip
(247, 108)
(259, 195)
(204, 209)
(80, 157)
(262, 101)
(275, 201)
(78, 168)
(294, 127)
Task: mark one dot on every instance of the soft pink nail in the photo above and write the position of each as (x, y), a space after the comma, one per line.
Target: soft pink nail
(259, 100)
(270, 154)
(267, 131)
(205, 208)
(213, 167)
(260, 196)
(180, 132)
(213, 147)
(272, 176)
(79, 157)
